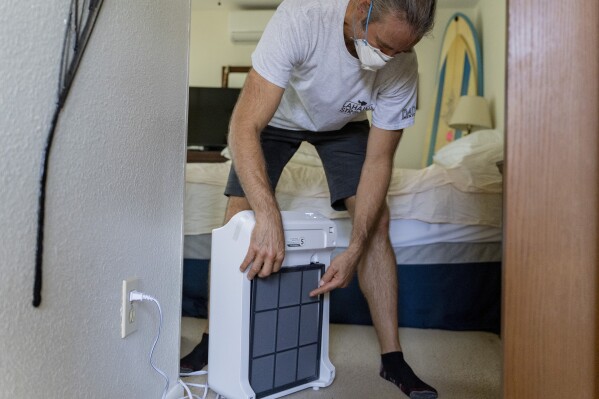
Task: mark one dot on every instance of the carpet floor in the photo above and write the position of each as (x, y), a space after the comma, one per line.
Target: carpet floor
(459, 364)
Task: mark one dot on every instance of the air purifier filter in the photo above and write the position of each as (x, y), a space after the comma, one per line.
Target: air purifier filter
(268, 337)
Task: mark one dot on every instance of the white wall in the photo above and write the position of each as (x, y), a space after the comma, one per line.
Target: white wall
(114, 199)
(211, 48)
(489, 18)
(491, 22)
(410, 151)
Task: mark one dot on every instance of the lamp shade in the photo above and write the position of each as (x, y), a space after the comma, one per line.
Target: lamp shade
(471, 112)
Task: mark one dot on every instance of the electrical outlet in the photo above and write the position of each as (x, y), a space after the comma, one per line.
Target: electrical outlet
(128, 317)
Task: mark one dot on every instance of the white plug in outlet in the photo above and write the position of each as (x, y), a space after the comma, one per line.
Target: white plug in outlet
(128, 317)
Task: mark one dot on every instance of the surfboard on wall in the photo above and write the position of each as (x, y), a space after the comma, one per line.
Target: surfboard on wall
(460, 73)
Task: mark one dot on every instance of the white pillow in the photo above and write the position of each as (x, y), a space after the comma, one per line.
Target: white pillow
(305, 155)
(480, 146)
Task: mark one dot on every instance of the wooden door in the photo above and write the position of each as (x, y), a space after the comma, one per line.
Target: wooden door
(550, 306)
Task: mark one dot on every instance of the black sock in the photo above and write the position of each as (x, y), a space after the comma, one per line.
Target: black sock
(395, 369)
(197, 359)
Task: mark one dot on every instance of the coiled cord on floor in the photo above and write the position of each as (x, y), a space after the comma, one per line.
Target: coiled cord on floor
(204, 387)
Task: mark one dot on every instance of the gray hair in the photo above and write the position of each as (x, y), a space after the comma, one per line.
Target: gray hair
(420, 14)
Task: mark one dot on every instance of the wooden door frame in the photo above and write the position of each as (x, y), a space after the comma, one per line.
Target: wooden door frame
(550, 323)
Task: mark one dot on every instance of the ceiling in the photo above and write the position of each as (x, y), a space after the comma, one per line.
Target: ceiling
(269, 4)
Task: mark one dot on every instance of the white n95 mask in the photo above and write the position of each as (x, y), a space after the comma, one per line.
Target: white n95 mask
(371, 58)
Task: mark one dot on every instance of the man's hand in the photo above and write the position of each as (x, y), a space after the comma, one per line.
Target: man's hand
(267, 249)
(339, 274)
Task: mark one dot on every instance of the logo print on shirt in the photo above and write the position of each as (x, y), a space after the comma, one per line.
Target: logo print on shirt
(354, 107)
(407, 113)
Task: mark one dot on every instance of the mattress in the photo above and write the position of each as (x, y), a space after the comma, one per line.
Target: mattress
(413, 241)
(431, 195)
(445, 230)
(438, 215)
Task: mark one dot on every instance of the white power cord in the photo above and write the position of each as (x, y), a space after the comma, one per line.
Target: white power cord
(205, 387)
(140, 296)
(136, 296)
(187, 385)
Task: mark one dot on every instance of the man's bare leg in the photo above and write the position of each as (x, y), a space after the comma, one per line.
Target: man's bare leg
(377, 274)
(198, 358)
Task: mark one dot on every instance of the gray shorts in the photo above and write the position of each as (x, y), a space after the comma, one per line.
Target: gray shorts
(342, 153)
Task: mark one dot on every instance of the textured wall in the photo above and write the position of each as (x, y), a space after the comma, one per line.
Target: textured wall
(114, 200)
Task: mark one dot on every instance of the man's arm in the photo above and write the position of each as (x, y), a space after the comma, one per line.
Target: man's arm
(257, 104)
(370, 201)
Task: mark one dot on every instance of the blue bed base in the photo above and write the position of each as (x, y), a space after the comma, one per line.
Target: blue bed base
(462, 297)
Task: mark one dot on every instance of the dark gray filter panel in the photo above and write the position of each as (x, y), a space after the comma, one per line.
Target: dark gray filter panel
(285, 330)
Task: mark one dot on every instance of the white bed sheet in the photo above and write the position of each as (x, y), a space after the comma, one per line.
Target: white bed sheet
(450, 200)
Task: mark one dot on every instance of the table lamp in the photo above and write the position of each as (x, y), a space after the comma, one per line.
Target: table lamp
(471, 112)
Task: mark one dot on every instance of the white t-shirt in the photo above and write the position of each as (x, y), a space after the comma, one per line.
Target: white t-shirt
(303, 51)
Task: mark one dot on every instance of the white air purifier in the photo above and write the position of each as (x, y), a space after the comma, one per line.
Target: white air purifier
(268, 337)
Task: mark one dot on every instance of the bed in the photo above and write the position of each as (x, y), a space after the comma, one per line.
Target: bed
(445, 230)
